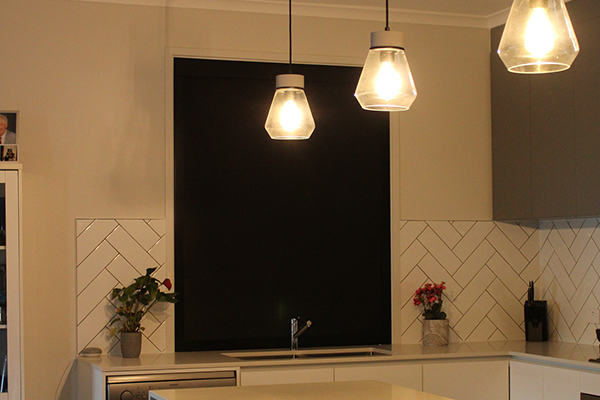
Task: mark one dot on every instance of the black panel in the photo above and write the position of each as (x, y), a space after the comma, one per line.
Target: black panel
(269, 230)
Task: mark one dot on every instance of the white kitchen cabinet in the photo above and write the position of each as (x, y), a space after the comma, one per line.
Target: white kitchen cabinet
(590, 383)
(561, 384)
(409, 375)
(526, 381)
(530, 381)
(10, 283)
(467, 380)
(273, 376)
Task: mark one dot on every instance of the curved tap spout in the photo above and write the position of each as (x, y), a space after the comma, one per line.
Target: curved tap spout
(297, 332)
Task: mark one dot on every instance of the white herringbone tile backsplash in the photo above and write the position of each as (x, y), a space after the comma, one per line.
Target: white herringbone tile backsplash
(486, 266)
(570, 273)
(111, 253)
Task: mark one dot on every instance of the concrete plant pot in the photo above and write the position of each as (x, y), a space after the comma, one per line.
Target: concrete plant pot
(131, 344)
(435, 332)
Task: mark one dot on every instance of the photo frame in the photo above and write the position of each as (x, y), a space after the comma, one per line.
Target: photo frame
(8, 136)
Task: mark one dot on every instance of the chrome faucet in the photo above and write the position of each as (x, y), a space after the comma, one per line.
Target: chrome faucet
(297, 332)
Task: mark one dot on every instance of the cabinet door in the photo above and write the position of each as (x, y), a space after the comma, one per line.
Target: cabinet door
(274, 376)
(526, 381)
(406, 374)
(511, 144)
(469, 380)
(10, 313)
(586, 81)
(590, 383)
(561, 384)
(553, 166)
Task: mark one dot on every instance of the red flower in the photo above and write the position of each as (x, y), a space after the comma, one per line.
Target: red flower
(167, 283)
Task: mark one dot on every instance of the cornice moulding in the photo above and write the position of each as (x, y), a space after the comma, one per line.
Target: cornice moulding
(328, 11)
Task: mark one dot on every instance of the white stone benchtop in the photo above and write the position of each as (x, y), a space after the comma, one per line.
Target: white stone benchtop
(358, 390)
(559, 353)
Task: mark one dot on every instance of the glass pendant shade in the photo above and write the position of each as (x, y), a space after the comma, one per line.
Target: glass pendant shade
(289, 116)
(538, 37)
(386, 83)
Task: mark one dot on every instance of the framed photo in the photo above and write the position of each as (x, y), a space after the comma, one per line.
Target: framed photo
(8, 136)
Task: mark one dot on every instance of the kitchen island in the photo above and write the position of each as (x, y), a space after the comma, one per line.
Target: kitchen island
(357, 390)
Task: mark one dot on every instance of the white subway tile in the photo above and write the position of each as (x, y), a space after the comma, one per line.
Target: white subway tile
(89, 239)
(446, 232)
(473, 239)
(440, 250)
(513, 232)
(507, 250)
(140, 231)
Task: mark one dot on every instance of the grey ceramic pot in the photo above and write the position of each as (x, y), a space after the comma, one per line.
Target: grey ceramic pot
(131, 344)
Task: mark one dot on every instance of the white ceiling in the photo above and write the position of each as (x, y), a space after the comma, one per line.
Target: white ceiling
(471, 13)
(480, 8)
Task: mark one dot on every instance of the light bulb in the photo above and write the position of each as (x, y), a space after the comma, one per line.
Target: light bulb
(387, 83)
(290, 116)
(539, 36)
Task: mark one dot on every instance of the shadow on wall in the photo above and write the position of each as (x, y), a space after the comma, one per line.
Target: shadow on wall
(67, 388)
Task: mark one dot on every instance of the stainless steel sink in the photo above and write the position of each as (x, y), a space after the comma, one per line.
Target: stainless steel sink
(309, 353)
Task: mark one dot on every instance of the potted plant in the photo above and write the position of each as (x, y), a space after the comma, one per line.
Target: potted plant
(136, 300)
(435, 325)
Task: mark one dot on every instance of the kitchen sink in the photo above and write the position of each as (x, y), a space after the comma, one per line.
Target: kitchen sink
(309, 353)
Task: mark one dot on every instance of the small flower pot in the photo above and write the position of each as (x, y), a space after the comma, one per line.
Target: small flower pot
(435, 332)
(131, 344)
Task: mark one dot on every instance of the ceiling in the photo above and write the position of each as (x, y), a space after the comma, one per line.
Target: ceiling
(469, 13)
(479, 8)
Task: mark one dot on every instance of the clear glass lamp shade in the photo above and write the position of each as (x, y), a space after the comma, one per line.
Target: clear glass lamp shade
(538, 38)
(289, 116)
(386, 83)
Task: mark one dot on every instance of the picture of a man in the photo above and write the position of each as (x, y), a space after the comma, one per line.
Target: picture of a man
(6, 136)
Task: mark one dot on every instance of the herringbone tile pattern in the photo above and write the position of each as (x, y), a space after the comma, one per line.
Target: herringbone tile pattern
(570, 265)
(486, 266)
(113, 253)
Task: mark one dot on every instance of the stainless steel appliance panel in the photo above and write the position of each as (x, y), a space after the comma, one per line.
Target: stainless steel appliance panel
(136, 387)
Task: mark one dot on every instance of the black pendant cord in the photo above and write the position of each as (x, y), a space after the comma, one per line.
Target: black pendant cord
(387, 15)
(290, 32)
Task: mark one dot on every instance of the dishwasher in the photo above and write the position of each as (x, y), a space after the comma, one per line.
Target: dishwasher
(130, 387)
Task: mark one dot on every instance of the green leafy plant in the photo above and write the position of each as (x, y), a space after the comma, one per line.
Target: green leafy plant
(430, 297)
(137, 299)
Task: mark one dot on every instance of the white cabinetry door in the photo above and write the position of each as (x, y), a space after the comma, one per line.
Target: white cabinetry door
(273, 376)
(561, 384)
(467, 380)
(406, 374)
(590, 383)
(10, 283)
(526, 381)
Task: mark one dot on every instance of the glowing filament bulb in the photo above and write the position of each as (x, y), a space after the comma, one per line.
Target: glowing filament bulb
(387, 83)
(539, 37)
(290, 116)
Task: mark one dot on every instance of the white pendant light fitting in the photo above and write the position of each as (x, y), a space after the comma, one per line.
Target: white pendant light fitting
(538, 38)
(289, 117)
(386, 83)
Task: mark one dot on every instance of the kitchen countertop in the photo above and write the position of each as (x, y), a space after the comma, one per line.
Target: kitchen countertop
(558, 353)
(358, 390)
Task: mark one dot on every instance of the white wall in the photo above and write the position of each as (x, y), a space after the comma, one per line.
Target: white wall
(89, 81)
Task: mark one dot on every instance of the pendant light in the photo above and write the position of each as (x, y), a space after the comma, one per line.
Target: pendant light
(538, 37)
(289, 116)
(386, 83)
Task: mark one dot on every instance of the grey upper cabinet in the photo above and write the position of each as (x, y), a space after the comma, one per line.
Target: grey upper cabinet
(586, 111)
(546, 131)
(511, 142)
